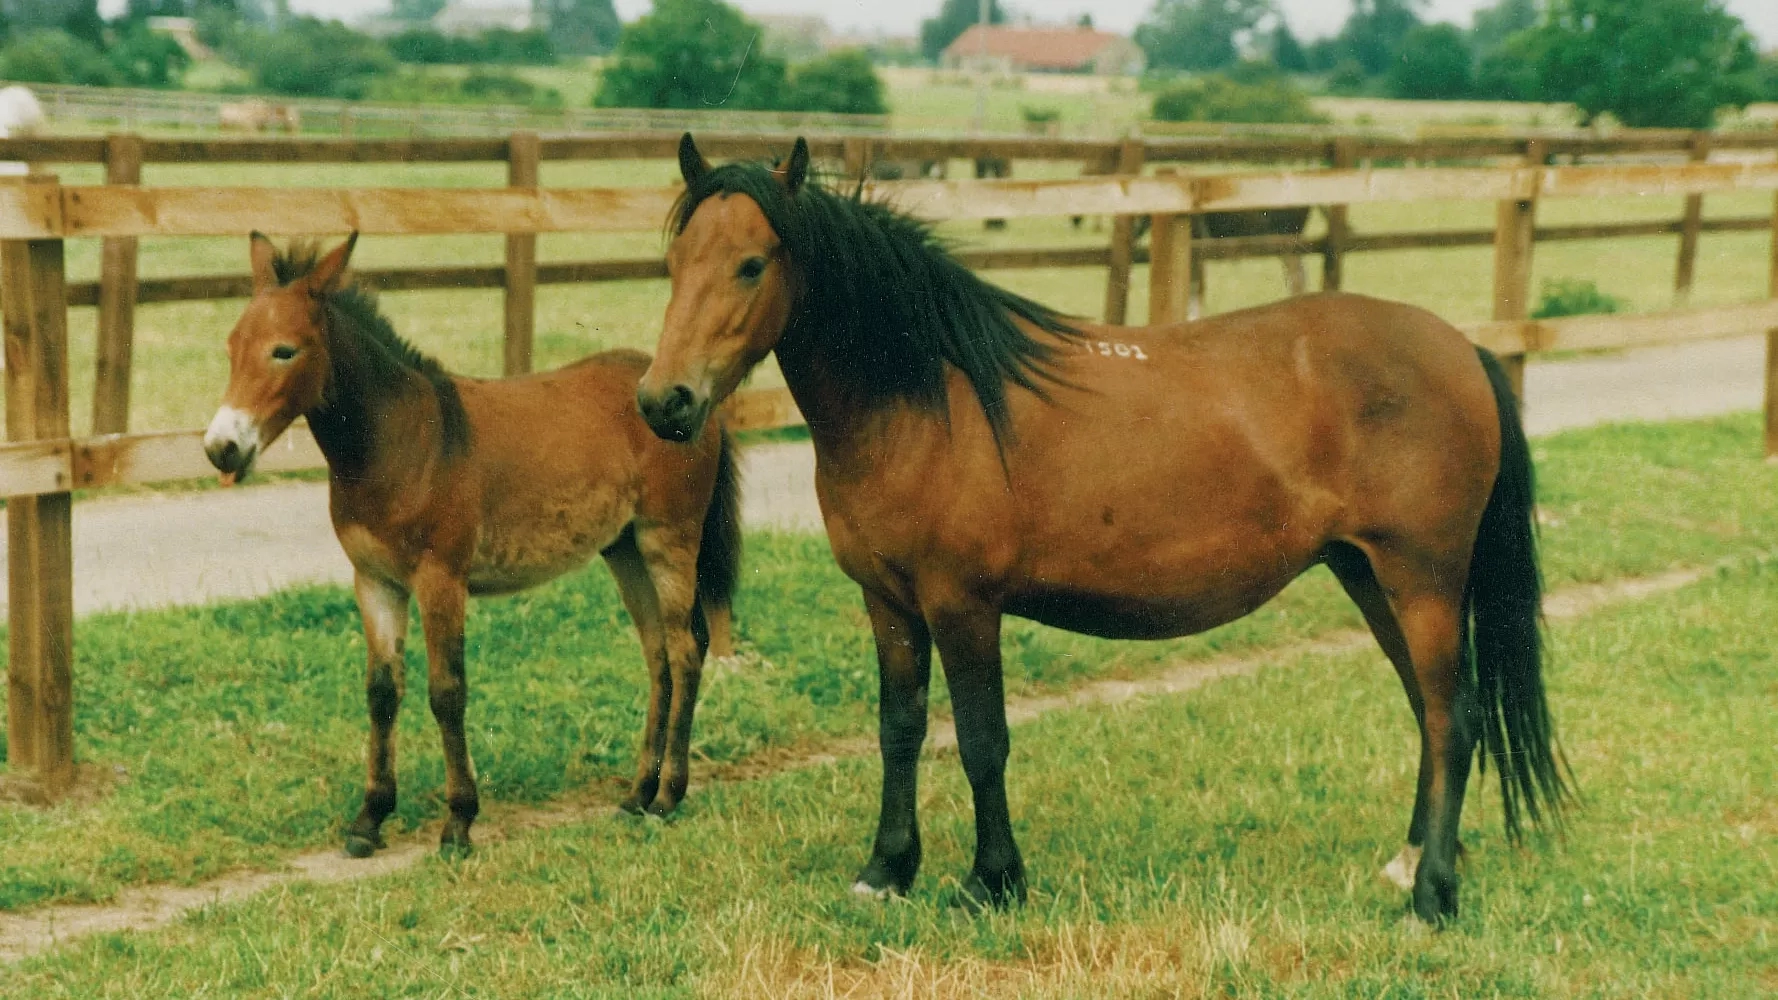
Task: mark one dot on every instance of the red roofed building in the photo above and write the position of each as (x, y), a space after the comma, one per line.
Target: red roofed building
(1014, 49)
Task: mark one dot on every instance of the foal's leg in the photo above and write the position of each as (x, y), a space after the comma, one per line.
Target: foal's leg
(637, 590)
(969, 648)
(443, 596)
(383, 607)
(672, 561)
(1353, 570)
(904, 673)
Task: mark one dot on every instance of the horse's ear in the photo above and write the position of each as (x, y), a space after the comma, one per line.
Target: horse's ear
(262, 254)
(692, 164)
(329, 274)
(797, 170)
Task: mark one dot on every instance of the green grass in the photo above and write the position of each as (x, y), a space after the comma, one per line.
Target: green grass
(239, 728)
(1220, 843)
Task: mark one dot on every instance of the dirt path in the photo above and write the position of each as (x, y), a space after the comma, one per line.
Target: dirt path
(193, 548)
(150, 907)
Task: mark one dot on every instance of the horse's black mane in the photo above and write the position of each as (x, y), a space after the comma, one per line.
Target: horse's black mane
(353, 309)
(885, 300)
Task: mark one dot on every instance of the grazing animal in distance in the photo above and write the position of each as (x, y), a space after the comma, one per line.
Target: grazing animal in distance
(443, 487)
(980, 455)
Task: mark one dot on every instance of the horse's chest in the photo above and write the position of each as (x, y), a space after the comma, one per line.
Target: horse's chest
(522, 544)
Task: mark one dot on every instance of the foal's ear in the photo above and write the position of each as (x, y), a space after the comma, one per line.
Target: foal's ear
(329, 274)
(796, 170)
(692, 164)
(262, 254)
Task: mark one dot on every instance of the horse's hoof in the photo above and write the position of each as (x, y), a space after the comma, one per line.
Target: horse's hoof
(885, 877)
(977, 895)
(1435, 898)
(868, 891)
(631, 806)
(360, 846)
(454, 849)
(663, 807)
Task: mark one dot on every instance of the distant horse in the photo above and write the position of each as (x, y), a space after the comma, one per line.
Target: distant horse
(20, 115)
(257, 115)
(978, 455)
(444, 487)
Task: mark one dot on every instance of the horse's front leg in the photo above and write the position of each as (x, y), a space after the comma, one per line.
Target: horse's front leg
(443, 595)
(969, 647)
(904, 671)
(673, 568)
(383, 607)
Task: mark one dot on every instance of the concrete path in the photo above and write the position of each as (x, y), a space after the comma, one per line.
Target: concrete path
(192, 548)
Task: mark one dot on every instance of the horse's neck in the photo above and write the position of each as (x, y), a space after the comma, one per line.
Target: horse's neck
(369, 403)
(846, 435)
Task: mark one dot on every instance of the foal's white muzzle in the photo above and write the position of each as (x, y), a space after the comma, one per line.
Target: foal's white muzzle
(232, 442)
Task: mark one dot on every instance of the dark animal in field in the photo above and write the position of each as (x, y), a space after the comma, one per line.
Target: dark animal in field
(979, 455)
(443, 487)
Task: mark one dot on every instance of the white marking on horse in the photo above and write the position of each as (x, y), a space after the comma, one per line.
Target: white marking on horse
(231, 424)
(1401, 871)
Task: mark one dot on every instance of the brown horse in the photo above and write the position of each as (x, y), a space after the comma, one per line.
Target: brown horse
(979, 455)
(444, 487)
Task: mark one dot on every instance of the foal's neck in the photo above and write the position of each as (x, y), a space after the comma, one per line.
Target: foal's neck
(369, 390)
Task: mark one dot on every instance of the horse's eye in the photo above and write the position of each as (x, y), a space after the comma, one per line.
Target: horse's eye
(284, 352)
(751, 269)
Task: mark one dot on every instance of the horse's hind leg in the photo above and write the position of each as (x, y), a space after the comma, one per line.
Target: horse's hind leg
(444, 596)
(383, 607)
(1427, 603)
(637, 590)
(671, 557)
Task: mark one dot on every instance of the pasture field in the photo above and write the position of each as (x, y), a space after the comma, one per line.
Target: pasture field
(1224, 842)
(234, 736)
(180, 369)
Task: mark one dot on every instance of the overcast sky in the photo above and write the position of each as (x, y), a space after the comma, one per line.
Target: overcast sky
(1309, 18)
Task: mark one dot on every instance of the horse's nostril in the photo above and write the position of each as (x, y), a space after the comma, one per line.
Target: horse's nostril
(679, 399)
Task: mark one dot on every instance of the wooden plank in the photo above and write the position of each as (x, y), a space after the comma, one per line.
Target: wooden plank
(521, 260)
(342, 150)
(1344, 156)
(1772, 349)
(1515, 233)
(1691, 227)
(29, 468)
(1657, 179)
(1585, 333)
(126, 459)
(30, 208)
(40, 719)
(1123, 235)
(117, 300)
(761, 410)
(1169, 269)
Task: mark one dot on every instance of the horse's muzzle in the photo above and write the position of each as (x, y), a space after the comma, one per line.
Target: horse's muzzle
(232, 442)
(676, 414)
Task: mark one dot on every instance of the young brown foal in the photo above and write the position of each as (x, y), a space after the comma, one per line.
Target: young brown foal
(978, 455)
(444, 487)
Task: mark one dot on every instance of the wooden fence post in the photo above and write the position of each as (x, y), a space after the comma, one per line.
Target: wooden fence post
(1123, 241)
(1772, 352)
(1515, 232)
(1339, 229)
(857, 152)
(1169, 267)
(40, 677)
(117, 300)
(1690, 227)
(523, 154)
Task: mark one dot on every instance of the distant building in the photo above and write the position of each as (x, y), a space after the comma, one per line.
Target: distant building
(183, 30)
(1021, 49)
(473, 19)
(794, 37)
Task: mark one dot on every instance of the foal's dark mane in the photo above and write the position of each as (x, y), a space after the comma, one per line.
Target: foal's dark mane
(384, 362)
(884, 301)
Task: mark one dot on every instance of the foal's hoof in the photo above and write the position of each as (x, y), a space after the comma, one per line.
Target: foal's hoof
(360, 846)
(996, 892)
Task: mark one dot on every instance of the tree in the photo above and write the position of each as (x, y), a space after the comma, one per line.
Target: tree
(418, 10)
(56, 57)
(954, 18)
(1433, 62)
(691, 54)
(1494, 25)
(308, 57)
(83, 22)
(1649, 63)
(1198, 34)
(842, 83)
(1287, 52)
(1375, 30)
(1214, 97)
(579, 27)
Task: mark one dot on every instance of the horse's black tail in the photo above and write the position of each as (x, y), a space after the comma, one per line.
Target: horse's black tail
(1504, 622)
(719, 554)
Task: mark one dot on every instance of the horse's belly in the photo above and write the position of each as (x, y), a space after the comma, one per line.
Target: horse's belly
(550, 538)
(1151, 616)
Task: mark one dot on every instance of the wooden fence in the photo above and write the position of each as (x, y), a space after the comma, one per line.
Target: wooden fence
(118, 291)
(42, 464)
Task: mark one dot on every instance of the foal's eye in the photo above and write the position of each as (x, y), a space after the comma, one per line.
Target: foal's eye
(283, 352)
(751, 269)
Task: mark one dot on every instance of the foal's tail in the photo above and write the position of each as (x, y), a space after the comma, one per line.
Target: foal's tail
(719, 554)
(1504, 622)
